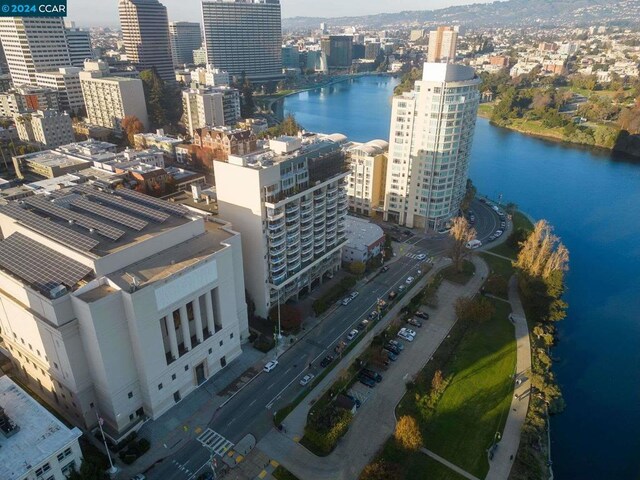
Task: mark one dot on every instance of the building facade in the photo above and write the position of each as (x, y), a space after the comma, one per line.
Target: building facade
(66, 81)
(244, 36)
(443, 43)
(79, 42)
(365, 240)
(429, 147)
(338, 50)
(223, 142)
(47, 128)
(28, 98)
(119, 304)
(210, 107)
(367, 177)
(291, 211)
(145, 30)
(32, 45)
(185, 37)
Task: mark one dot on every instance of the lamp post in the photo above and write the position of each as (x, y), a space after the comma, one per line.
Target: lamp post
(113, 469)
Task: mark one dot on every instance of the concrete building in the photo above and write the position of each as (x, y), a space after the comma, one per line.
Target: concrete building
(157, 140)
(290, 56)
(338, 50)
(66, 81)
(200, 56)
(442, 45)
(79, 42)
(417, 34)
(48, 164)
(365, 240)
(32, 45)
(210, 107)
(372, 50)
(34, 443)
(430, 142)
(367, 176)
(28, 98)
(108, 99)
(118, 304)
(145, 30)
(48, 128)
(185, 37)
(244, 36)
(290, 210)
(218, 143)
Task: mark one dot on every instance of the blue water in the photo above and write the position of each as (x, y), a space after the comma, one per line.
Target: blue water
(592, 198)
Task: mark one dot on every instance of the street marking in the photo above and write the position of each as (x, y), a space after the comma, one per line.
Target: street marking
(262, 474)
(232, 420)
(270, 386)
(274, 464)
(253, 402)
(215, 442)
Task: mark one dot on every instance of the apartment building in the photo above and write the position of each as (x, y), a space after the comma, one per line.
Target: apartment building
(291, 212)
(224, 141)
(185, 37)
(367, 176)
(158, 140)
(28, 98)
(442, 45)
(429, 148)
(116, 304)
(47, 128)
(66, 81)
(79, 42)
(108, 99)
(210, 107)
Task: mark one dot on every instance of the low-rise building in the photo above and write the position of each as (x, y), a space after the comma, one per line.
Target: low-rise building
(28, 98)
(158, 140)
(367, 176)
(34, 443)
(224, 141)
(48, 128)
(365, 240)
(48, 164)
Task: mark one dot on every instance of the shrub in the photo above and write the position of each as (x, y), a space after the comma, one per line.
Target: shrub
(408, 433)
(264, 343)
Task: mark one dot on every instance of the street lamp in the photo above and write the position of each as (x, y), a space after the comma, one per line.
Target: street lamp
(113, 469)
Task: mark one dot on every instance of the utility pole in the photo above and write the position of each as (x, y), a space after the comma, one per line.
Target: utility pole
(113, 470)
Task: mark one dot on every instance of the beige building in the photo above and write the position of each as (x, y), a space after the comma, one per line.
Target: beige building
(210, 107)
(368, 169)
(118, 304)
(108, 99)
(48, 128)
(66, 81)
(442, 45)
(28, 98)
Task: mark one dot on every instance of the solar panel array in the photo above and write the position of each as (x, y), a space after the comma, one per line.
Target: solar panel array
(174, 209)
(89, 223)
(109, 213)
(116, 201)
(49, 229)
(39, 266)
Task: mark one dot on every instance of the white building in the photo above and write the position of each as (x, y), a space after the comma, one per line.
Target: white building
(34, 443)
(430, 141)
(365, 240)
(290, 205)
(66, 81)
(118, 304)
(32, 45)
(108, 99)
(210, 107)
(48, 128)
(367, 174)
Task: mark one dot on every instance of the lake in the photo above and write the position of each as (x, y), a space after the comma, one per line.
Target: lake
(592, 199)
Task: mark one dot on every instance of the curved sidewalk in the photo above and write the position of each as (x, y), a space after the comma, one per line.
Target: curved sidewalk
(500, 465)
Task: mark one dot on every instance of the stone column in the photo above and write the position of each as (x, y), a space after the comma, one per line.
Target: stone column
(184, 321)
(209, 304)
(171, 331)
(198, 319)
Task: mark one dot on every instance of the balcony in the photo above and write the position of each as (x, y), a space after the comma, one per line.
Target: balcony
(331, 244)
(293, 238)
(331, 230)
(277, 280)
(319, 214)
(277, 269)
(292, 208)
(274, 215)
(276, 224)
(281, 240)
(319, 195)
(307, 256)
(305, 204)
(275, 251)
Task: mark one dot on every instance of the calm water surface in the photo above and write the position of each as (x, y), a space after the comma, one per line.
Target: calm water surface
(593, 199)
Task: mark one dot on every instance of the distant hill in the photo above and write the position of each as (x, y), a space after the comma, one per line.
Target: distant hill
(515, 13)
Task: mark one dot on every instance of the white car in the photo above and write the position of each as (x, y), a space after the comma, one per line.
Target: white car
(352, 334)
(354, 295)
(421, 256)
(473, 244)
(306, 379)
(270, 365)
(405, 336)
(409, 280)
(408, 331)
(347, 300)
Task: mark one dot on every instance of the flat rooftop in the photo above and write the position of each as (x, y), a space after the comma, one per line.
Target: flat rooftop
(361, 233)
(53, 159)
(40, 435)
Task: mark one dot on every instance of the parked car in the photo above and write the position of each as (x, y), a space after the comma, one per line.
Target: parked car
(139, 476)
(384, 269)
(340, 347)
(270, 365)
(372, 374)
(392, 356)
(421, 256)
(397, 344)
(503, 224)
(409, 280)
(498, 233)
(392, 294)
(415, 322)
(405, 336)
(373, 315)
(355, 400)
(409, 331)
(362, 325)
(401, 288)
(366, 381)
(473, 244)
(408, 233)
(422, 315)
(346, 300)
(304, 381)
(352, 334)
(444, 230)
(391, 348)
(354, 295)
(326, 361)
(492, 238)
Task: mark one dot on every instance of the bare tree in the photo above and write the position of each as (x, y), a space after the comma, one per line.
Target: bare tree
(542, 253)
(461, 233)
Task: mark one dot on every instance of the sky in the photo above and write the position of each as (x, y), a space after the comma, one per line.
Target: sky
(105, 12)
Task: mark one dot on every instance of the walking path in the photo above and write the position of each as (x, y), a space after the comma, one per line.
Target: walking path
(497, 255)
(447, 463)
(375, 420)
(500, 465)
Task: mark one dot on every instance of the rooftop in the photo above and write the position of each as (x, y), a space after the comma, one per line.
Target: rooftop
(40, 436)
(52, 159)
(361, 233)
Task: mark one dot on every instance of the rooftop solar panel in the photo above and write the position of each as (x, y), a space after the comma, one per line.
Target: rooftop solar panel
(49, 229)
(89, 223)
(40, 266)
(116, 201)
(109, 213)
(179, 210)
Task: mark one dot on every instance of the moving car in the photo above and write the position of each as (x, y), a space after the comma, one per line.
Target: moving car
(304, 381)
(473, 244)
(372, 374)
(421, 256)
(415, 322)
(409, 280)
(270, 365)
(352, 334)
(422, 315)
(326, 361)
(366, 381)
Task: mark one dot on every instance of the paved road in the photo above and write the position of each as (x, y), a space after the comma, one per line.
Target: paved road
(251, 410)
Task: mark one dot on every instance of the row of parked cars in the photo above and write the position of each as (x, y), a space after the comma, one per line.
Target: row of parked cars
(503, 224)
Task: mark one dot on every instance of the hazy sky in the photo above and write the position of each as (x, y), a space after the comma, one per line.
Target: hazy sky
(105, 12)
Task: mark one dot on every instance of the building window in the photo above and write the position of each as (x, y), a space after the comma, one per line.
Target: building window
(130, 395)
(176, 396)
(231, 336)
(223, 362)
(43, 469)
(210, 351)
(131, 417)
(221, 342)
(68, 468)
(159, 386)
(186, 367)
(140, 412)
(173, 376)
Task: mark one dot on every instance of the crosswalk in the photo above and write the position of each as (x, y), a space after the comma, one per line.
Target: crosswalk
(215, 442)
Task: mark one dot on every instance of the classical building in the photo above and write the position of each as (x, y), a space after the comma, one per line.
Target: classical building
(367, 176)
(116, 304)
(47, 128)
(223, 141)
(158, 140)
(290, 210)
(429, 146)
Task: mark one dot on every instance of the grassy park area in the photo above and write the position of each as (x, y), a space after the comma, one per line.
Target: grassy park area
(450, 273)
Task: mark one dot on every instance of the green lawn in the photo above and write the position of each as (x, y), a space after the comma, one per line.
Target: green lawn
(450, 273)
(520, 221)
(475, 404)
(500, 273)
(485, 110)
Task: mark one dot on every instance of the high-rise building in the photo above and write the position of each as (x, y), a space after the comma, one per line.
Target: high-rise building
(33, 45)
(48, 128)
(290, 211)
(145, 30)
(338, 49)
(116, 304)
(368, 168)
(185, 38)
(244, 36)
(210, 107)
(79, 42)
(430, 143)
(108, 99)
(66, 81)
(442, 45)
